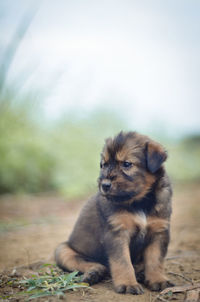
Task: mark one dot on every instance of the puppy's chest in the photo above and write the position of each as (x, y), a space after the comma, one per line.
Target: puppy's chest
(138, 222)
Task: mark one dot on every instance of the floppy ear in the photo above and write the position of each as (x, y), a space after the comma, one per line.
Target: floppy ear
(155, 156)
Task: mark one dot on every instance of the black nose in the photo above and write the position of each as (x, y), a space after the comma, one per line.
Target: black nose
(106, 186)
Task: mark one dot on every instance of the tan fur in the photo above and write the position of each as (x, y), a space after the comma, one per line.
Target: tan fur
(127, 155)
(122, 273)
(122, 270)
(150, 179)
(157, 225)
(71, 260)
(125, 221)
(154, 263)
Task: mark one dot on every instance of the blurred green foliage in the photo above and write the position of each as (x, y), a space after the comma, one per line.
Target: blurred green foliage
(60, 155)
(26, 163)
(63, 155)
(183, 163)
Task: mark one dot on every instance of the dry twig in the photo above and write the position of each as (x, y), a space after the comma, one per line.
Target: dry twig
(161, 299)
(180, 289)
(182, 276)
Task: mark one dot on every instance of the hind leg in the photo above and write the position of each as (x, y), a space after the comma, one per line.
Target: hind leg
(69, 260)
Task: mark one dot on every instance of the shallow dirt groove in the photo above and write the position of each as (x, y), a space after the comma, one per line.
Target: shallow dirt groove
(31, 227)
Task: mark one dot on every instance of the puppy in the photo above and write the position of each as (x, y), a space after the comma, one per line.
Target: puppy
(124, 229)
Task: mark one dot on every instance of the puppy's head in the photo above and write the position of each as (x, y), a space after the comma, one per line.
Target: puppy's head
(129, 166)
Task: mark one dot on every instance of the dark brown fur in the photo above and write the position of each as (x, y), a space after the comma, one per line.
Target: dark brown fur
(124, 229)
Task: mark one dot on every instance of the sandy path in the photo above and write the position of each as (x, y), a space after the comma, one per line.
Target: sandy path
(31, 227)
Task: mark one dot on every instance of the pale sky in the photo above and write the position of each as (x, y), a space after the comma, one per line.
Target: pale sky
(140, 57)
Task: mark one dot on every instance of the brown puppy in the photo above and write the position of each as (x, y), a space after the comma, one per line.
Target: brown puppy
(124, 228)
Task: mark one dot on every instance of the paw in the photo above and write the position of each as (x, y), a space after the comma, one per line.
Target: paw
(92, 277)
(135, 289)
(158, 286)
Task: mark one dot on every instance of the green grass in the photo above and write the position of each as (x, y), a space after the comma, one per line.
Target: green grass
(51, 284)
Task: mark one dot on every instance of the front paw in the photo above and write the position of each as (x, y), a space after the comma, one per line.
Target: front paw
(135, 289)
(159, 285)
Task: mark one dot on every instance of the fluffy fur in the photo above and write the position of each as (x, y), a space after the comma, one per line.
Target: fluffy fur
(124, 229)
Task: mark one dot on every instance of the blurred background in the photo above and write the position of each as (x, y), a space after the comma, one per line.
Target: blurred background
(75, 72)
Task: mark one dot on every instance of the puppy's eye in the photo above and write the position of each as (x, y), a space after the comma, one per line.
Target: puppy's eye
(103, 165)
(126, 164)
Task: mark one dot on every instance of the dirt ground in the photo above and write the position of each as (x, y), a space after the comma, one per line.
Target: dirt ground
(32, 226)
